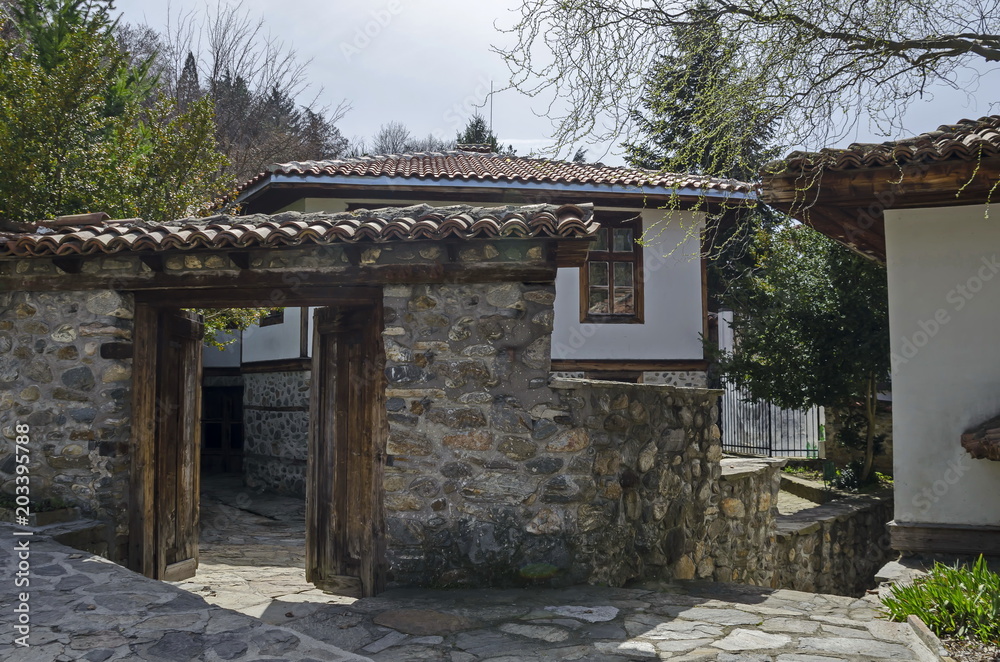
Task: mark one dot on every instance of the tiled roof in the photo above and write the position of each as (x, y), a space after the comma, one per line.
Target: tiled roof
(420, 222)
(967, 140)
(475, 166)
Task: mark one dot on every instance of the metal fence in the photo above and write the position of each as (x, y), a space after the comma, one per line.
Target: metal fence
(755, 427)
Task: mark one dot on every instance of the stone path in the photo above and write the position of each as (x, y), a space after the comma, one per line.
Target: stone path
(85, 608)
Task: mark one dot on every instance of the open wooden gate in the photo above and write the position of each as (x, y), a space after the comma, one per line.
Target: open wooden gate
(345, 527)
(165, 437)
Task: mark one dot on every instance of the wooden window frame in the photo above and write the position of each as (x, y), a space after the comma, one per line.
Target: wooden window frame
(610, 222)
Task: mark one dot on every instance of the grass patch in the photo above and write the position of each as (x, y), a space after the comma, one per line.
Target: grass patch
(954, 601)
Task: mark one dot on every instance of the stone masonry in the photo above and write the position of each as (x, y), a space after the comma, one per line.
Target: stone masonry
(59, 376)
(276, 431)
(497, 476)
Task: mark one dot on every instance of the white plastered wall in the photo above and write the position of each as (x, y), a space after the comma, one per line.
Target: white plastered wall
(277, 341)
(673, 300)
(944, 313)
(673, 297)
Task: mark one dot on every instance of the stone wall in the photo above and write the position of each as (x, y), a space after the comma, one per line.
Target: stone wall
(497, 478)
(739, 527)
(276, 431)
(55, 378)
(836, 547)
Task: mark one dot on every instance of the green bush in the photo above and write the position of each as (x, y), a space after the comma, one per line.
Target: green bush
(953, 601)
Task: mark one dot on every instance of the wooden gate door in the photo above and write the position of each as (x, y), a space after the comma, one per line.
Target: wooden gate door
(167, 413)
(345, 527)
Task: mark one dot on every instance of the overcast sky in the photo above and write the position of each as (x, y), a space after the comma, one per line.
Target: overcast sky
(427, 63)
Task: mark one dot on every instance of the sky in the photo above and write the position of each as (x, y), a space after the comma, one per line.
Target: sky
(428, 64)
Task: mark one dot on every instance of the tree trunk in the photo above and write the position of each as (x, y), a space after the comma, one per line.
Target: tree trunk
(871, 400)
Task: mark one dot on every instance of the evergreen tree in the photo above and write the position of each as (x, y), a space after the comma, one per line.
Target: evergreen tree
(188, 87)
(74, 126)
(477, 132)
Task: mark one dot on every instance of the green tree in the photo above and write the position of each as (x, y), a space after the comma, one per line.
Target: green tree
(820, 68)
(478, 132)
(811, 323)
(668, 138)
(79, 137)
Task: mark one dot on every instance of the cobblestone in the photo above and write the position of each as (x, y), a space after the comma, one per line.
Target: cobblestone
(252, 562)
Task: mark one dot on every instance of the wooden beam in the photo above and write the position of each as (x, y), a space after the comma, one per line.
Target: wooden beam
(261, 297)
(278, 365)
(280, 289)
(142, 516)
(945, 538)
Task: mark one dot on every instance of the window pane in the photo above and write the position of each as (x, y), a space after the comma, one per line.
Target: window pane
(602, 241)
(623, 274)
(599, 274)
(598, 301)
(623, 241)
(624, 301)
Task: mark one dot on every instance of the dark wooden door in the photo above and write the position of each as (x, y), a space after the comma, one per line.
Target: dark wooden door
(222, 430)
(165, 437)
(345, 527)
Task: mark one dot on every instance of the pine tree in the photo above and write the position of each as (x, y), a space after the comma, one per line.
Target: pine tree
(188, 88)
(477, 132)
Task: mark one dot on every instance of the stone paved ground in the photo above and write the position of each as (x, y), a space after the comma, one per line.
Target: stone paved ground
(83, 607)
(693, 621)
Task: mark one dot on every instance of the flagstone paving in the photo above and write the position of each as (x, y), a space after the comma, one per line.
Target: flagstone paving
(85, 608)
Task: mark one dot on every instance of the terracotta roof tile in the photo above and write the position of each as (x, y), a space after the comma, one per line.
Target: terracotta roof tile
(967, 140)
(420, 222)
(471, 166)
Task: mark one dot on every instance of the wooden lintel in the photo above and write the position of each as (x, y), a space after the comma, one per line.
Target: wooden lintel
(155, 262)
(240, 259)
(272, 289)
(261, 296)
(279, 365)
(68, 264)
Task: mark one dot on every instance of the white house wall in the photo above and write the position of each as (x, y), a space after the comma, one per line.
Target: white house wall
(672, 290)
(228, 357)
(944, 314)
(673, 303)
(277, 341)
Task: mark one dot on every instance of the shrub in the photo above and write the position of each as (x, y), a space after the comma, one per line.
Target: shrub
(953, 601)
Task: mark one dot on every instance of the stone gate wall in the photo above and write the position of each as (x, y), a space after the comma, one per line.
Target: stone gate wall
(496, 477)
(276, 431)
(59, 375)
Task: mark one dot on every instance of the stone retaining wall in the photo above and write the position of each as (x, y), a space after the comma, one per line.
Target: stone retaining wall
(836, 547)
(55, 378)
(740, 526)
(276, 431)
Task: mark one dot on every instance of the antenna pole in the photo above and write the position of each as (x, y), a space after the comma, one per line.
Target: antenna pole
(491, 106)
